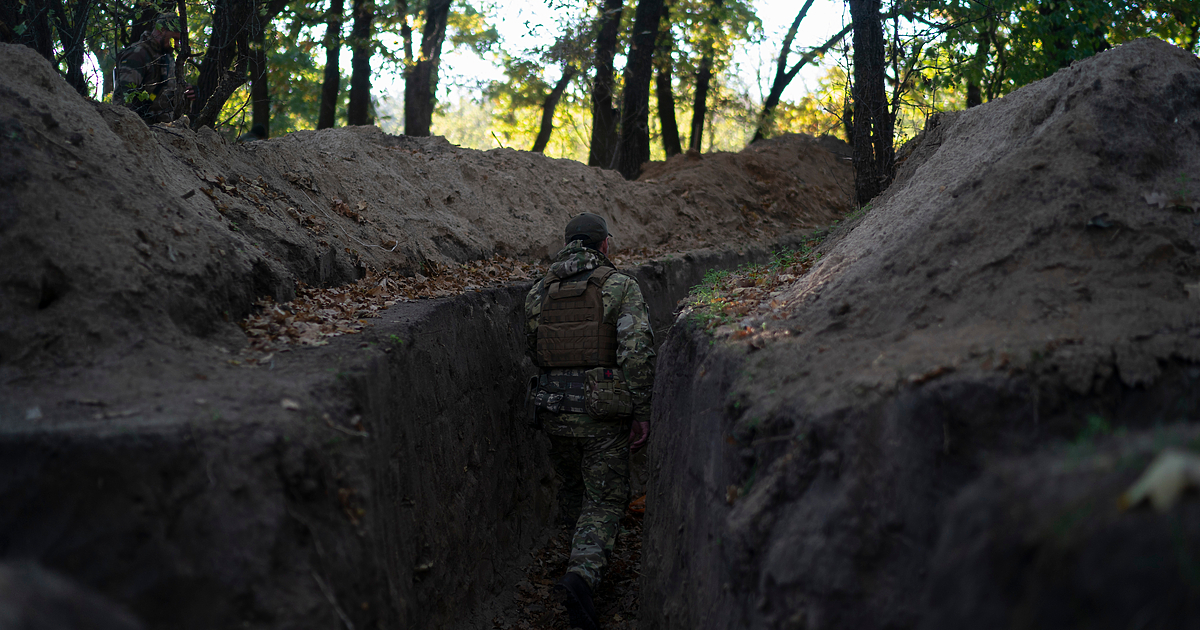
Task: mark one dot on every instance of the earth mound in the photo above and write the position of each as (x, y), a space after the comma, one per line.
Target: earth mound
(113, 232)
(1032, 272)
(383, 479)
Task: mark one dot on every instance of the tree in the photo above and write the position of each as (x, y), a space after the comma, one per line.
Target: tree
(605, 117)
(362, 37)
(332, 74)
(633, 146)
(704, 76)
(28, 23)
(784, 75)
(663, 90)
(872, 122)
(420, 80)
(235, 23)
(71, 31)
(550, 105)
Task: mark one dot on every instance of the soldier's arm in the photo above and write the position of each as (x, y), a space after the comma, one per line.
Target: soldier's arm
(635, 347)
(533, 309)
(127, 76)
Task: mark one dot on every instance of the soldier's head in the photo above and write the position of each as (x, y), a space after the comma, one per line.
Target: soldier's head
(166, 28)
(591, 229)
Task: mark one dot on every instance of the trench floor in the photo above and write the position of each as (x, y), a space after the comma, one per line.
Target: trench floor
(534, 606)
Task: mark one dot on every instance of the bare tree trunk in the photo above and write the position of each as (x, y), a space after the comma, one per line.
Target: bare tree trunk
(260, 92)
(543, 137)
(974, 89)
(420, 85)
(358, 111)
(703, 78)
(873, 151)
(71, 36)
(633, 146)
(700, 103)
(228, 38)
(235, 24)
(185, 53)
(604, 115)
(783, 76)
(32, 19)
(664, 94)
(666, 113)
(327, 114)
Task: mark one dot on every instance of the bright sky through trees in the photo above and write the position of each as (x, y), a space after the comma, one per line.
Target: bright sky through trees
(528, 23)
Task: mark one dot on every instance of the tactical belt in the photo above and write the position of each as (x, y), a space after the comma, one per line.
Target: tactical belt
(561, 393)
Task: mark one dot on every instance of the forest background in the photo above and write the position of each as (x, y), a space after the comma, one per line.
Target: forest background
(609, 82)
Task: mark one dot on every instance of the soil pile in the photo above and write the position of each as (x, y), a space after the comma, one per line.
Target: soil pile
(1033, 271)
(113, 231)
(382, 479)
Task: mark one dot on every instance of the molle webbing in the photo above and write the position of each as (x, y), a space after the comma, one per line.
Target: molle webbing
(571, 330)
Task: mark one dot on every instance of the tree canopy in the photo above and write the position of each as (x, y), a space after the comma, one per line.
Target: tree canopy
(619, 80)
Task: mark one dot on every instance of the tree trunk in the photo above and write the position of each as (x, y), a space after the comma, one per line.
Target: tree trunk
(666, 113)
(633, 146)
(358, 111)
(229, 22)
(604, 115)
(71, 30)
(260, 93)
(703, 77)
(327, 114)
(783, 76)
(34, 15)
(184, 53)
(543, 137)
(974, 84)
(665, 95)
(700, 103)
(420, 85)
(872, 119)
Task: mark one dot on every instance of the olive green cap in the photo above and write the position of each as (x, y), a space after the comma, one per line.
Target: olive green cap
(588, 227)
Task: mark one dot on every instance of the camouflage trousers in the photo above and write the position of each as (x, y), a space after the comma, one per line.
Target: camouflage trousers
(594, 492)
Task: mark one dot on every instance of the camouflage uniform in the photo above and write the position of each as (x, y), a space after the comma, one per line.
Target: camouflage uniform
(145, 80)
(592, 456)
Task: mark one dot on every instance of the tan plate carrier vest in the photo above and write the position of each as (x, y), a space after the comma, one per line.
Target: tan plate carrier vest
(571, 330)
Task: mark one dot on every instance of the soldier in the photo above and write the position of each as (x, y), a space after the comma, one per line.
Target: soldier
(588, 330)
(145, 73)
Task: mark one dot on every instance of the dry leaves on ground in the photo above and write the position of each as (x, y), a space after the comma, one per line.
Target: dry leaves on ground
(318, 314)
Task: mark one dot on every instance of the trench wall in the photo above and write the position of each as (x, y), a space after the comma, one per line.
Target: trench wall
(861, 516)
(256, 515)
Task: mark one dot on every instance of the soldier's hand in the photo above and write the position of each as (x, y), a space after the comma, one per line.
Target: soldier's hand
(639, 432)
(190, 93)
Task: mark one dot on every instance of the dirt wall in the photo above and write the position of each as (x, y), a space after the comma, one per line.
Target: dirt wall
(1032, 274)
(388, 477)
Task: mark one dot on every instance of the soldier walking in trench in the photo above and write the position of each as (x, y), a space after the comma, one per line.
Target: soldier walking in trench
(589, 332)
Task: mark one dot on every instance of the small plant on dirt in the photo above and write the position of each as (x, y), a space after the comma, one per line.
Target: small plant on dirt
(396, 340)
(1097, 427)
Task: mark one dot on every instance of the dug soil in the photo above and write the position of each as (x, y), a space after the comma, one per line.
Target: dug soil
(281, 384)
(930, 423)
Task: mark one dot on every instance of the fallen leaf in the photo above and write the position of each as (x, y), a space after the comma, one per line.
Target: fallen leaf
(1172, 472)
(289, 404)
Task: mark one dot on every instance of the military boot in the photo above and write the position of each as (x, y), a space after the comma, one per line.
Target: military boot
(576, 595)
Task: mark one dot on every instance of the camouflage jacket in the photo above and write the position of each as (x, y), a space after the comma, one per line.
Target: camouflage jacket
(145, 81)
(624, 306)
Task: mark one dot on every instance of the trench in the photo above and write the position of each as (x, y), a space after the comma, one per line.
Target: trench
(403, 487)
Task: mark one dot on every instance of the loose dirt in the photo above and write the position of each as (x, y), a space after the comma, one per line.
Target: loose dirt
(1032, 271)
(193, 328)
